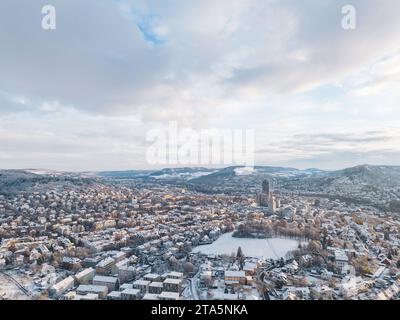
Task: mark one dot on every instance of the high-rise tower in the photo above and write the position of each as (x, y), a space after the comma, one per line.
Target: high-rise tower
(266, 186)
(266, 197)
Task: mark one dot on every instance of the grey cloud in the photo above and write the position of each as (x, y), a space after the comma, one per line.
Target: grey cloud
(98, 59)
(343, 159)
(95, 60)
(320, 51)
(211, 59)
(334, 138)
(326, 142)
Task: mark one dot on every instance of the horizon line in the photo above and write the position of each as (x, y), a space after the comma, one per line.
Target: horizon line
(194, 167)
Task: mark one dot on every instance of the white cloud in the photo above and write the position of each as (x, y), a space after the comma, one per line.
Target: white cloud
(251, 63)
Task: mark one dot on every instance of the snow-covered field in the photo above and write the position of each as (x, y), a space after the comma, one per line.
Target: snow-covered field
(266, 248)
(8, 289)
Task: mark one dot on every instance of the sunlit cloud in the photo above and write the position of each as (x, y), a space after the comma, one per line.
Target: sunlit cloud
(112, 71)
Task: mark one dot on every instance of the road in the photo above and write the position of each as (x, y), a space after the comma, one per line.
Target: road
(193, 287)
(19, 286)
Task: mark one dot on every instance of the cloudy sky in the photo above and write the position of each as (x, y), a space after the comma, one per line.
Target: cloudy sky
(83, 96)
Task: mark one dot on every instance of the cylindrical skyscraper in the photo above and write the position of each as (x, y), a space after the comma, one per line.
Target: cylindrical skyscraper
(266, 186)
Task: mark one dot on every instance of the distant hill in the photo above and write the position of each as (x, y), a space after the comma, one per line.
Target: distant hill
(260, 172)
(16, 181)
(373, 185)
(374, 177)
(169, 174)
(181, 173)
(129, 174)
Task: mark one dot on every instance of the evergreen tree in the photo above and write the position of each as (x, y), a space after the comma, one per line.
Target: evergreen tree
(239, 253)
(240, 258)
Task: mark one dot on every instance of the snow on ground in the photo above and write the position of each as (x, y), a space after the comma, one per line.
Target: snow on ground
(9, 291)
(261, 248)
(244, 171)
(43, 172)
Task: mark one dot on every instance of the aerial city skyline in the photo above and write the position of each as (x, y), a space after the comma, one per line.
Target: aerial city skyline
(207, 152)
(274, 234)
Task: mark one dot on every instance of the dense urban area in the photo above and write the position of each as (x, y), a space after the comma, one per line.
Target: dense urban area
(195, 234)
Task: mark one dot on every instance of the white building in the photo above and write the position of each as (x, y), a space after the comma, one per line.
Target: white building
(341, 259)
(61, 287)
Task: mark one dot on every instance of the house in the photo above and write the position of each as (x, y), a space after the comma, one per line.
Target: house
(156, 287)
(341, 260)
(104, 266)
(85, 276)
(326, 275)
(250, 268)
(131, 294)
(205, 277)
(142, 285)
(150, 296)
(126, 286)
(110, 282)
(71, 263)
(89, 296)
(294, 293)
(292, 267)
(351, 286)
(126, 273)
(219, 295)
(172, 285)
(119, 264)
(235, 277)
(91, 262)
(306, 259)
(101, 291)
(169, 296)
(175, 275)
(389, 293)
(321, 292)
(61, 287)
(114, 295)
(152, 277)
